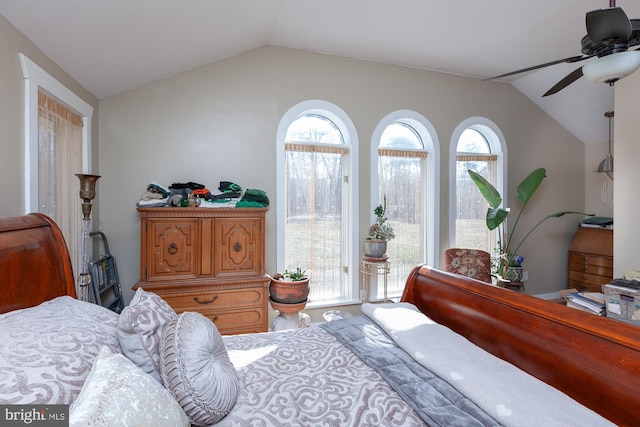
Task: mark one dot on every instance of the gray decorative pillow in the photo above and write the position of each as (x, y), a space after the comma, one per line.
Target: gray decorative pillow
(140, 327)
(197, 370)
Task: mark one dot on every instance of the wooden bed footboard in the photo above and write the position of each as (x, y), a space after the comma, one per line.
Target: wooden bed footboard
(593, 359)
(34, 262)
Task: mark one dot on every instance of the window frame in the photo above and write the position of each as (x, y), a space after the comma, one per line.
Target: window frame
(350, 208)
(497, 146)
(431, 188)
(34, 78)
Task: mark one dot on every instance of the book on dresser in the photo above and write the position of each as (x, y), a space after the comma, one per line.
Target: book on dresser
(209, 260)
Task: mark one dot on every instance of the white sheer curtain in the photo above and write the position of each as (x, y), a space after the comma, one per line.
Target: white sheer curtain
(401, 180)
(59, 159)
(471, 208)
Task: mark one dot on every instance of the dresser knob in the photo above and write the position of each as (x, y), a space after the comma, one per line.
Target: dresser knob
(172, 249)
(196, 299)
(214, 318)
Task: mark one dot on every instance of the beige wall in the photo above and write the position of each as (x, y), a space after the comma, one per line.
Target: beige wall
(12, 105)
(626, 152)
(219, 122)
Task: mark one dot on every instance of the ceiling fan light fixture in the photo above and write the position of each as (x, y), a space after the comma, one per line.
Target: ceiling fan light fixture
(612, 67)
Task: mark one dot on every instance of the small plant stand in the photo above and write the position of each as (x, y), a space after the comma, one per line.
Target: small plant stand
(372, 267)
(289, 316)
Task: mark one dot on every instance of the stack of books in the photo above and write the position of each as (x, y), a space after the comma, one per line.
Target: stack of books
(591, 302)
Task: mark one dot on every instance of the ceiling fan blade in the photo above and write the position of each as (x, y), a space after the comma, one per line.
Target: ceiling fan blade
(535, 67)
(608, 25)
(569, 78)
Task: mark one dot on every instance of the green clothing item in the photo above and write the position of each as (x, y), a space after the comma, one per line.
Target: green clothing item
(253, 195)
(247, 204)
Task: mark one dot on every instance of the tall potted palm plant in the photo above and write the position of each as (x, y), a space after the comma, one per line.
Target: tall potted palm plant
(506, 254)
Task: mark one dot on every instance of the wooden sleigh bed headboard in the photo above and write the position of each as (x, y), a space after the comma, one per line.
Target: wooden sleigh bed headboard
(34, 262)
(593, 359)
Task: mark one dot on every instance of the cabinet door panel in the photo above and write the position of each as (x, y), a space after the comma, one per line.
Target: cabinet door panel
(171, 249)
(238, 252)
(207, 260)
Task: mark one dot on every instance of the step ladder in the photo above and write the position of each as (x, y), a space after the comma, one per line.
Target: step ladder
(105, 284)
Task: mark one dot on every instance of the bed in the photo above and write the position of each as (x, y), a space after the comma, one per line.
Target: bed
(455, 351)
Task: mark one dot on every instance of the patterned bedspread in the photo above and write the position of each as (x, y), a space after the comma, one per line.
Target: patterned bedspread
(392, 367)
(305, 377)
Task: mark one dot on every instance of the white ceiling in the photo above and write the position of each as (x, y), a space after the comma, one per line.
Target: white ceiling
(111, 46)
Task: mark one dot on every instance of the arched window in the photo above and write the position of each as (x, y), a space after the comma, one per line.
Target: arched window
(404, 145)
(315, 199)
(479, 146)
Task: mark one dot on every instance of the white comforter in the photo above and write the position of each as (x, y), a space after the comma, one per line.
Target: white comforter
(504, 391)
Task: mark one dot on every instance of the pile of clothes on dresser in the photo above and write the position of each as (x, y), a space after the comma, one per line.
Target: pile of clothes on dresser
(193, 194)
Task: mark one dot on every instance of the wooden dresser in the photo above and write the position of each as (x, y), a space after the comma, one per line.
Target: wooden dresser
(209, 260)
(591, 259)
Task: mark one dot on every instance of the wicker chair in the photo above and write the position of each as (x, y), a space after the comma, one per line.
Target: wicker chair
(474, 263)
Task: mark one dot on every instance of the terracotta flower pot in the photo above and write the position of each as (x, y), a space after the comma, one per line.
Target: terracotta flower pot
(289, 292)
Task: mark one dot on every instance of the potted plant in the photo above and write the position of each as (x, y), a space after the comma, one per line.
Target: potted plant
(375, 246)
(290, 287)
(506, 255)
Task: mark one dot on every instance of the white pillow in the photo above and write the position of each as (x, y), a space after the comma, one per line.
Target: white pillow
(117, 392)
(140, 328)
(197, 370)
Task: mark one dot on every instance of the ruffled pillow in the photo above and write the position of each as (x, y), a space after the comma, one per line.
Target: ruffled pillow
(140, 327)
(197, 370)
(117, 392)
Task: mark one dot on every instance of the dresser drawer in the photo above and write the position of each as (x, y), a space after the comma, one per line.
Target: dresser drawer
(582, 259)
(594, 269)
(216, 299)
(583, 287)
(231, 322)
(588, 279)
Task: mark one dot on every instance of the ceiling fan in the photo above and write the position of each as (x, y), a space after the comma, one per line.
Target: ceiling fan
(610, 34)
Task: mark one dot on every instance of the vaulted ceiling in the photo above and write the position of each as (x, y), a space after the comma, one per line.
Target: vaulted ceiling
(110, 46)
